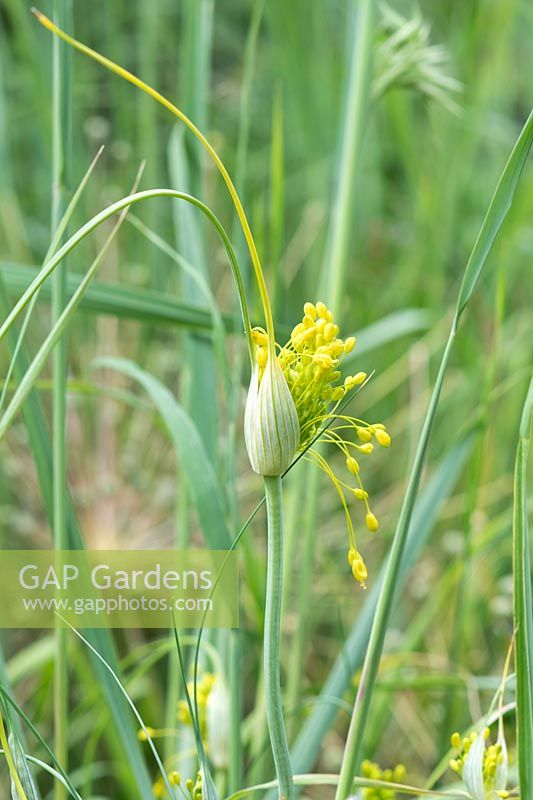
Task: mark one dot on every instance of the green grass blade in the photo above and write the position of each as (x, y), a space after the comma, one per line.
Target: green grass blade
(54, 244)
(388, 329)
(138, 781)
(348, 167)
(61, 163)
(115, 678)
(122, 301)
(197, 468)
(97, 220)
(42, 741)
(34, 369)
(495, 216)
(523, 606)
(491, 225)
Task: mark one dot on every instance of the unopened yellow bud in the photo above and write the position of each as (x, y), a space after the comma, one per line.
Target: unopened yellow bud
(310, 310)
(329, 332)
(454, 765)
(259, 337)
(323, 360)
(382, 437)
(456, 740)
(321, 309)
(363, 434)
(359, 570)
(175, 778)
(371, 522)
(349, 344)
(145, 733)
(352, 464)
(399, 772)
(337, 394)
(366, 449)
(189, 783)
(360, 494)
(355, 380)
(352, 553)
(261, 356)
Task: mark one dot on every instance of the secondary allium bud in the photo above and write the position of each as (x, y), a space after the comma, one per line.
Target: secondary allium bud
(271, 427)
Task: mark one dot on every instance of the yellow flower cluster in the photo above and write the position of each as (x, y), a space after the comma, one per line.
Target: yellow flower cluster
(311, 362)
(374, 772)
(192, 787)
(492, 759)
(204, 688)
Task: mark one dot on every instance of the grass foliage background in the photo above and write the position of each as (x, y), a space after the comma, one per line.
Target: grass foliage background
(151, 346)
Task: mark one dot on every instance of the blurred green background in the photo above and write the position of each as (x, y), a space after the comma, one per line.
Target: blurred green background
(268, 83)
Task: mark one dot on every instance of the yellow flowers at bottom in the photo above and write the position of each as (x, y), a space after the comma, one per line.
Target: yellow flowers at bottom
(374, 772)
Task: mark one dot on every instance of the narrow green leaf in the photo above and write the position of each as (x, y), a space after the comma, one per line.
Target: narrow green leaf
(523, 606)
(54, 336)
(493, 220)
(126, 302)
(9, 701)
(495, 216)
(197, 468)
(97, 220)
(138, 780)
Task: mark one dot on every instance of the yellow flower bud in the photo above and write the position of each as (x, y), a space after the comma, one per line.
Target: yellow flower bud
(271, 427)
(371, 522)
(359, 570)
(323, 360)
(360, 494)
(352, 464)
(366, 449)
(175, 778)
(456, 740)
(259, 337)
(349, 344)
(352, 553)
(321, 309)
(382, 437)
(363, 434)
(261, 356)
(329, 332)
(310, 310)
(143, 735)
(337, 394)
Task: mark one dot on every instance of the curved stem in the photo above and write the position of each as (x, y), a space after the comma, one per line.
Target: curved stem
(140, 84)
(93, 223)
(276, 726)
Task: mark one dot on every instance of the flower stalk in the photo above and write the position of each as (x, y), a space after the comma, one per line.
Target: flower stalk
(271, 652)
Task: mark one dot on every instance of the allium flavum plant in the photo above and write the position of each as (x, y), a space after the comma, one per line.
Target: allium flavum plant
(293, 401)
(310, 364)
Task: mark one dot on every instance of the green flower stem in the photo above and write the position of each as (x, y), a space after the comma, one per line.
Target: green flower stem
(276, 726)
